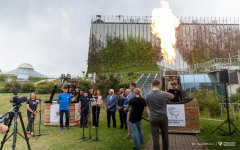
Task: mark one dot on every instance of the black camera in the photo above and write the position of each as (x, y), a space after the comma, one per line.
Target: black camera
(18, 100)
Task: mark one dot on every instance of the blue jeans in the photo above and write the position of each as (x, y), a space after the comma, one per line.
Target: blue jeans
(137, 127)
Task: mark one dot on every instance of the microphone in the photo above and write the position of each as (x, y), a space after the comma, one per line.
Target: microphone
(37, 101)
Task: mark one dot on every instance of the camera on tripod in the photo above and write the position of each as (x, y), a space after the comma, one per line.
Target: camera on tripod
(17, 100)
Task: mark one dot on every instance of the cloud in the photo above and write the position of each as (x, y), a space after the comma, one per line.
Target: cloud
(53, 35)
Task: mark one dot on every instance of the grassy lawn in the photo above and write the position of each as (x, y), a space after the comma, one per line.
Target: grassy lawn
(70, 139)
(207, 126)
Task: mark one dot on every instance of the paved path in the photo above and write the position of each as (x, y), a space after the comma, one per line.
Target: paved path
(212, 119)
(181, 142)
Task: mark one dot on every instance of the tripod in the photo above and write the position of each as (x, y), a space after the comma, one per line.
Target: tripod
(228, 121)
(40, 120)
(14, 115)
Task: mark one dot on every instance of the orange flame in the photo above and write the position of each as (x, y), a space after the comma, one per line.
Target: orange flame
(164, 23)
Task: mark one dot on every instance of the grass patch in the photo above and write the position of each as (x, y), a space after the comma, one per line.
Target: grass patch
(70, 139)
(207, 126)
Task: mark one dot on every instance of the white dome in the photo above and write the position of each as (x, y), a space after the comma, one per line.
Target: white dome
(25, 66)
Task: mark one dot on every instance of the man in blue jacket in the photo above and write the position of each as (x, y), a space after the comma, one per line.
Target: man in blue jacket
(111, 103)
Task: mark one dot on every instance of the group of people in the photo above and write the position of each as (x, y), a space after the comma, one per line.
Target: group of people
(129, 103)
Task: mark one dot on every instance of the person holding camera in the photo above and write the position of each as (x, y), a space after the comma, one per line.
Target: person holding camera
(175, 90)
(156, 109)
(98, 100)
(32, 108)
(84, 105)
(63, 100)
(120, 107)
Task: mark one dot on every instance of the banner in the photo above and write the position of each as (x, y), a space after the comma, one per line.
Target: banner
(176, 115)
(55, 114)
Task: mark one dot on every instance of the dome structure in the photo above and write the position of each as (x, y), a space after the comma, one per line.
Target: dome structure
(26, 66)
(25, 69)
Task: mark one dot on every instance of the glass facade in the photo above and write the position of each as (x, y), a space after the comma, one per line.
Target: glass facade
(192, 82)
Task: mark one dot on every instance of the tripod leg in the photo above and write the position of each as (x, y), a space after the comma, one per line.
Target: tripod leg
(24, 131)
(219, 127)
(5, 136)
(15, 131)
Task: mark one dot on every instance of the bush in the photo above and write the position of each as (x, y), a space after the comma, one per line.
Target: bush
(46, 87)
(235, 97)
(27, 87)
(104, 83)
(84, 84)
(8, 85)
(208, 102)
(5, 90)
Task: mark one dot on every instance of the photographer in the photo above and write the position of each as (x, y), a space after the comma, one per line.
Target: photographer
(32, 108)
(96, 107)
(3, 129)
(175, 90)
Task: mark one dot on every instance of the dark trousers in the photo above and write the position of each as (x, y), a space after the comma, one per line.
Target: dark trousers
(121, 117)
(125, 119)
(109, 114)
(156, 123)
(95, 114)
(84, 117)
(30, 122)
(67, 117)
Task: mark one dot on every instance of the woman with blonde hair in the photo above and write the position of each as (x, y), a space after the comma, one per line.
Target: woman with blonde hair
(32, 108)
(98, 100)
(135, 119)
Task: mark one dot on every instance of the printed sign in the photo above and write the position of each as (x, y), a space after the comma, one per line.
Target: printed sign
(55, 114)
(176, 115)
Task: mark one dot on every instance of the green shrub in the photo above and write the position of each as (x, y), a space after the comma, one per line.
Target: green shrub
(104, 83)
(208, 102)
(27, 87)
(84, 84)
(235, 97)
(5, 90)
(46, 87)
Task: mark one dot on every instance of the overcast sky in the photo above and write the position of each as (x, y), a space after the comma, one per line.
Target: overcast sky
(53, 35)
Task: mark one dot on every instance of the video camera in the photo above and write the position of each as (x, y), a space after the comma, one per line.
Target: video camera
(17, 100)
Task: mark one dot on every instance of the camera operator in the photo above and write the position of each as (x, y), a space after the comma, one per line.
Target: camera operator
(84, 106)
(120, 108)
(96, 107)
(3, 129)
(175, 90)
(32, 108)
